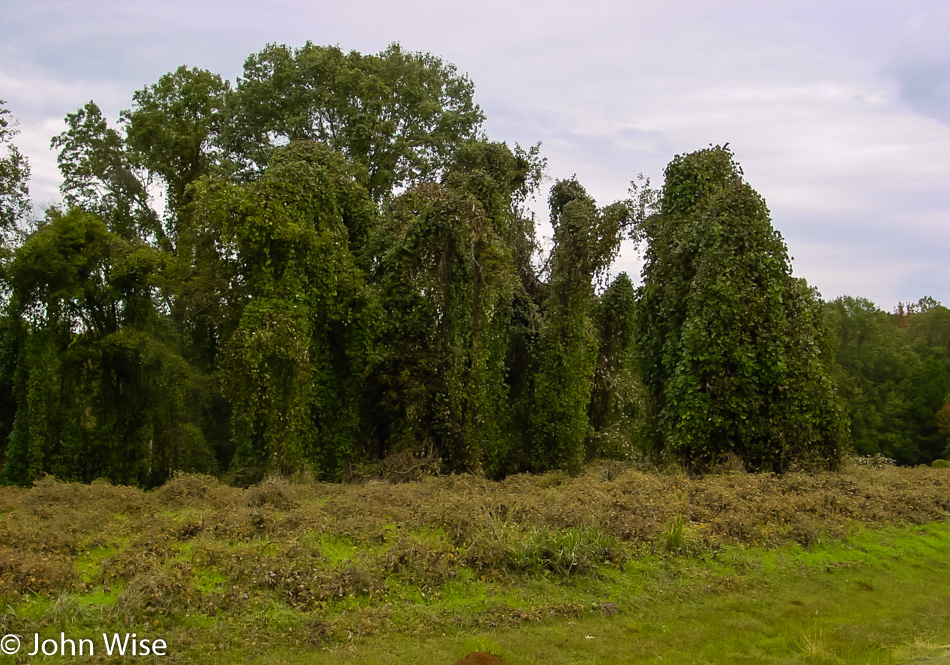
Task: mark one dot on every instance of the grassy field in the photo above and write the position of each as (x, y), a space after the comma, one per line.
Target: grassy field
(613, 566)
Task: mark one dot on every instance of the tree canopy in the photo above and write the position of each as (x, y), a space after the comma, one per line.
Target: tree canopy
(398, 115)
(14, 185)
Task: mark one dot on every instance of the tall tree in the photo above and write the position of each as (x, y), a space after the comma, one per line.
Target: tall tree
(615, 406)
(101, 176)
(14, 186)
(730, 342)
(172, 132)
(447, 276)
(586, 240)
(173, 126)
(399, 115)
(15, 210)
(295, 360)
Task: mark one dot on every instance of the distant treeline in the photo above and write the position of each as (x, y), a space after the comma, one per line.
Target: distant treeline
(893, 372)
(328, 265)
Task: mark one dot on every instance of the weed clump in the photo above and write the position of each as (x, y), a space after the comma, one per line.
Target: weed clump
(156, 592)
(24, 571)
(416, 562)
(533, 550)
(195, 489)
(273, 492)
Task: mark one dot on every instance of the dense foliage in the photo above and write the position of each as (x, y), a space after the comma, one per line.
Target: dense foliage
(731, 343)
(894, 372)
(327, 267)
(322, 266)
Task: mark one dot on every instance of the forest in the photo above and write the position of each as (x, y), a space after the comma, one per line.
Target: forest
(328, 267)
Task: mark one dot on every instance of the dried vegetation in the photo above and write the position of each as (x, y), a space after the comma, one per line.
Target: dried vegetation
(321, 561)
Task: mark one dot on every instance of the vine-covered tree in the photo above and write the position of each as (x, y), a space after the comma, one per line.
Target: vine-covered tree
(731, 343)
(616, 397)
(586, 241)
(296, 359)
(99, 391)
(447, 276)
(15, 210)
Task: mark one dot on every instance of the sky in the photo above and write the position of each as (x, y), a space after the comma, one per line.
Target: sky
(838, 112)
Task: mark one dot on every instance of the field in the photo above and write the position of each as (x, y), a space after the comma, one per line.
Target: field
(617, 565)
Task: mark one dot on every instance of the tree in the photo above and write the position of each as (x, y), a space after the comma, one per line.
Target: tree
(99, 389)
(731, 344)
(14, 211)
(294, 363)
(173, 134)
(617, 394)
(14, 187)
(101, 176)
(172, 128)
(447, 277)
(586, 240)
(398, 115)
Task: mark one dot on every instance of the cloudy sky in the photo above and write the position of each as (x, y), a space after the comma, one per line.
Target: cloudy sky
(839, 112)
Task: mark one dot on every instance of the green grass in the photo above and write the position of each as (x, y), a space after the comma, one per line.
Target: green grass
(335, 549)
(881, 596)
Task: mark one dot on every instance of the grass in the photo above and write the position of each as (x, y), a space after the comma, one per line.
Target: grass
(618, 567)
(814, 606)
